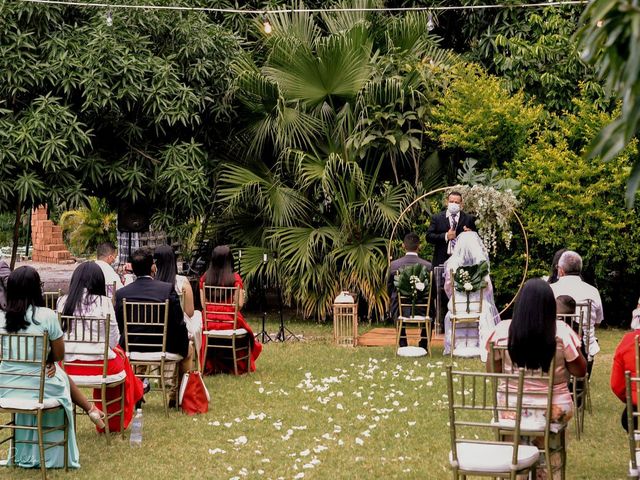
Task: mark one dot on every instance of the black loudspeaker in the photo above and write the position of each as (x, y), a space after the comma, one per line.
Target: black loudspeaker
(133, 217)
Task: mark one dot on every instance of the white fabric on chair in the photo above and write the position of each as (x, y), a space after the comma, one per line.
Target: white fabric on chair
(415, 318)
(480, 457)
(411, 352)
(97, 379)
(225, 333)
(154, 356)
(28, 404)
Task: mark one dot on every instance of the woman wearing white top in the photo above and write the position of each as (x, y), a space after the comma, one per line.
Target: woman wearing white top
(167, 271)
(87, 299)
(469, 250)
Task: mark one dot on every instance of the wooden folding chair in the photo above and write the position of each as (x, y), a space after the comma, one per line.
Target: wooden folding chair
(145, 336)
(31, 351)
(223, 304)
(465, 321)
(90, 337)
(536, 413)
(474, 412)
(51, 299)
(415, 315)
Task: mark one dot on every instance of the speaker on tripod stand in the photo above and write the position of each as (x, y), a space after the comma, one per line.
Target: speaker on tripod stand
(133, 218)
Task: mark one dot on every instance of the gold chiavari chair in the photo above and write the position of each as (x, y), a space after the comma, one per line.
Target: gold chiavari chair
(89, 338)
(31, 351)
(222, 303)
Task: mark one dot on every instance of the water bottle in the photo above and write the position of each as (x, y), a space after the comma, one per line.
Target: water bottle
(135, 440)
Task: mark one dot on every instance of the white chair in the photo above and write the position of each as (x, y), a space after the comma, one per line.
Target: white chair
(465, 317)
(30, 350)
(473, 414)
(89, 338)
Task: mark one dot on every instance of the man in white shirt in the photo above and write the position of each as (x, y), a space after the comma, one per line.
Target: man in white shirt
(107, 255)
(570, 283)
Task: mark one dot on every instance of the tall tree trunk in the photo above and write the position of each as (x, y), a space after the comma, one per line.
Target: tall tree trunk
(16, 234)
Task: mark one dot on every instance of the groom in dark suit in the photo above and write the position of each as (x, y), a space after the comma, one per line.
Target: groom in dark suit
(446, 226)
(411, 245)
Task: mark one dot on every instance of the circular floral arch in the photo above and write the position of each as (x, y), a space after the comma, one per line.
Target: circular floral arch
(443, 189)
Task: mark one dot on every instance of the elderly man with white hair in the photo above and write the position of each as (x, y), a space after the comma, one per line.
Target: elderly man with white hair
(570, 283)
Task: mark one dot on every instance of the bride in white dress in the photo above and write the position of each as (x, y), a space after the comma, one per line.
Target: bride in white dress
(469, 250)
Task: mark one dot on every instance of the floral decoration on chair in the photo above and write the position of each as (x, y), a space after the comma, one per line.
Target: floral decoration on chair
(470, 279)
(413, 282)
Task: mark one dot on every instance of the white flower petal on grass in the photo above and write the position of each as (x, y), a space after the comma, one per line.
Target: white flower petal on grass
(228, 424)
(366, 433)
(213, 451)
(243, 471)
(215, 424)
(359, 441)
(261, 390)
(305, 453)
(305, 408)
(299, 427)
(319, 448)
(241, 440)
(308, 465)
(339, 406)
(411, 424)
(429, 383)
(299, 475)
(265, 460)
(395, 403)
(361, 417)
(237, 420)
(403, 409)
(340, 442)
(257, 382)
(260, 472)
(327, 436)
(337, 429)
(234, 478)
(278, 425)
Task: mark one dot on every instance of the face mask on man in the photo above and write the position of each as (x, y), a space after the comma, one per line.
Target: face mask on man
(453, 208)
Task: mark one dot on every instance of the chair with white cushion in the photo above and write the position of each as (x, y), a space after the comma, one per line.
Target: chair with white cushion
(88, 339)
(473, 413)
(579, 385)
(465, 317)
(536, 425)
(145, 339)
(414, 315)
(584, 310)
(222, 304)
(30, 350)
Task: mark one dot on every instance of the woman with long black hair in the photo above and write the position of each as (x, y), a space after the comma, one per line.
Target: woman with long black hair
(533, 337)
(87, 299)
(221, 273)
(25, 313)
(167, 271)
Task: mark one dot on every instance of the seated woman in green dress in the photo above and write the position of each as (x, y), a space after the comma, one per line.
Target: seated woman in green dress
(25, 314)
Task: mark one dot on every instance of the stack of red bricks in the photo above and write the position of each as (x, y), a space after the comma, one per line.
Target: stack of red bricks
(48, 246)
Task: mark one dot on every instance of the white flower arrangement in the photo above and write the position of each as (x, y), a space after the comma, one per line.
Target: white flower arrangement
(493, 210)
(468, 287)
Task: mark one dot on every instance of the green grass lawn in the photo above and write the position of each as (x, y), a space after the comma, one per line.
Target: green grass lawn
(313, 410)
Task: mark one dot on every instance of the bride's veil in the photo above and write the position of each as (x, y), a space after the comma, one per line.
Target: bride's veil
(469, 250)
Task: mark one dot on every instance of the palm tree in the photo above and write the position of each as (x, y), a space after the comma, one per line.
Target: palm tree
(337, 126)
(89, 226)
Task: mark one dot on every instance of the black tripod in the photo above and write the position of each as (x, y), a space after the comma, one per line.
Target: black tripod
(265, 337)
(284, 333)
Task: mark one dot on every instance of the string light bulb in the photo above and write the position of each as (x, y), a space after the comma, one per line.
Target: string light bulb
(430, 23)
(266, 24)
(109, 18)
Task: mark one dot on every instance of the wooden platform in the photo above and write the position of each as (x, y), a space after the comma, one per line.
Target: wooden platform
(386, 337)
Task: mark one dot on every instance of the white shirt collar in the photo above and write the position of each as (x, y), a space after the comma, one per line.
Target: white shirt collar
(411, 253)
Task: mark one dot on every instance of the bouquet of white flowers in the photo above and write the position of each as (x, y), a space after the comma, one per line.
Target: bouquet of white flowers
(471, 279)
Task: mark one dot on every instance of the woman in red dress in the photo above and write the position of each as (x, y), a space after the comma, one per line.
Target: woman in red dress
(221, 274)
(87, 298)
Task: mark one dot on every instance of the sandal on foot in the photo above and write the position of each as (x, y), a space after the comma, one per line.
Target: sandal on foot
(96, 416)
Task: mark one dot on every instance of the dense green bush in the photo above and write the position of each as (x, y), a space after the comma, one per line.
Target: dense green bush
(574, 202)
